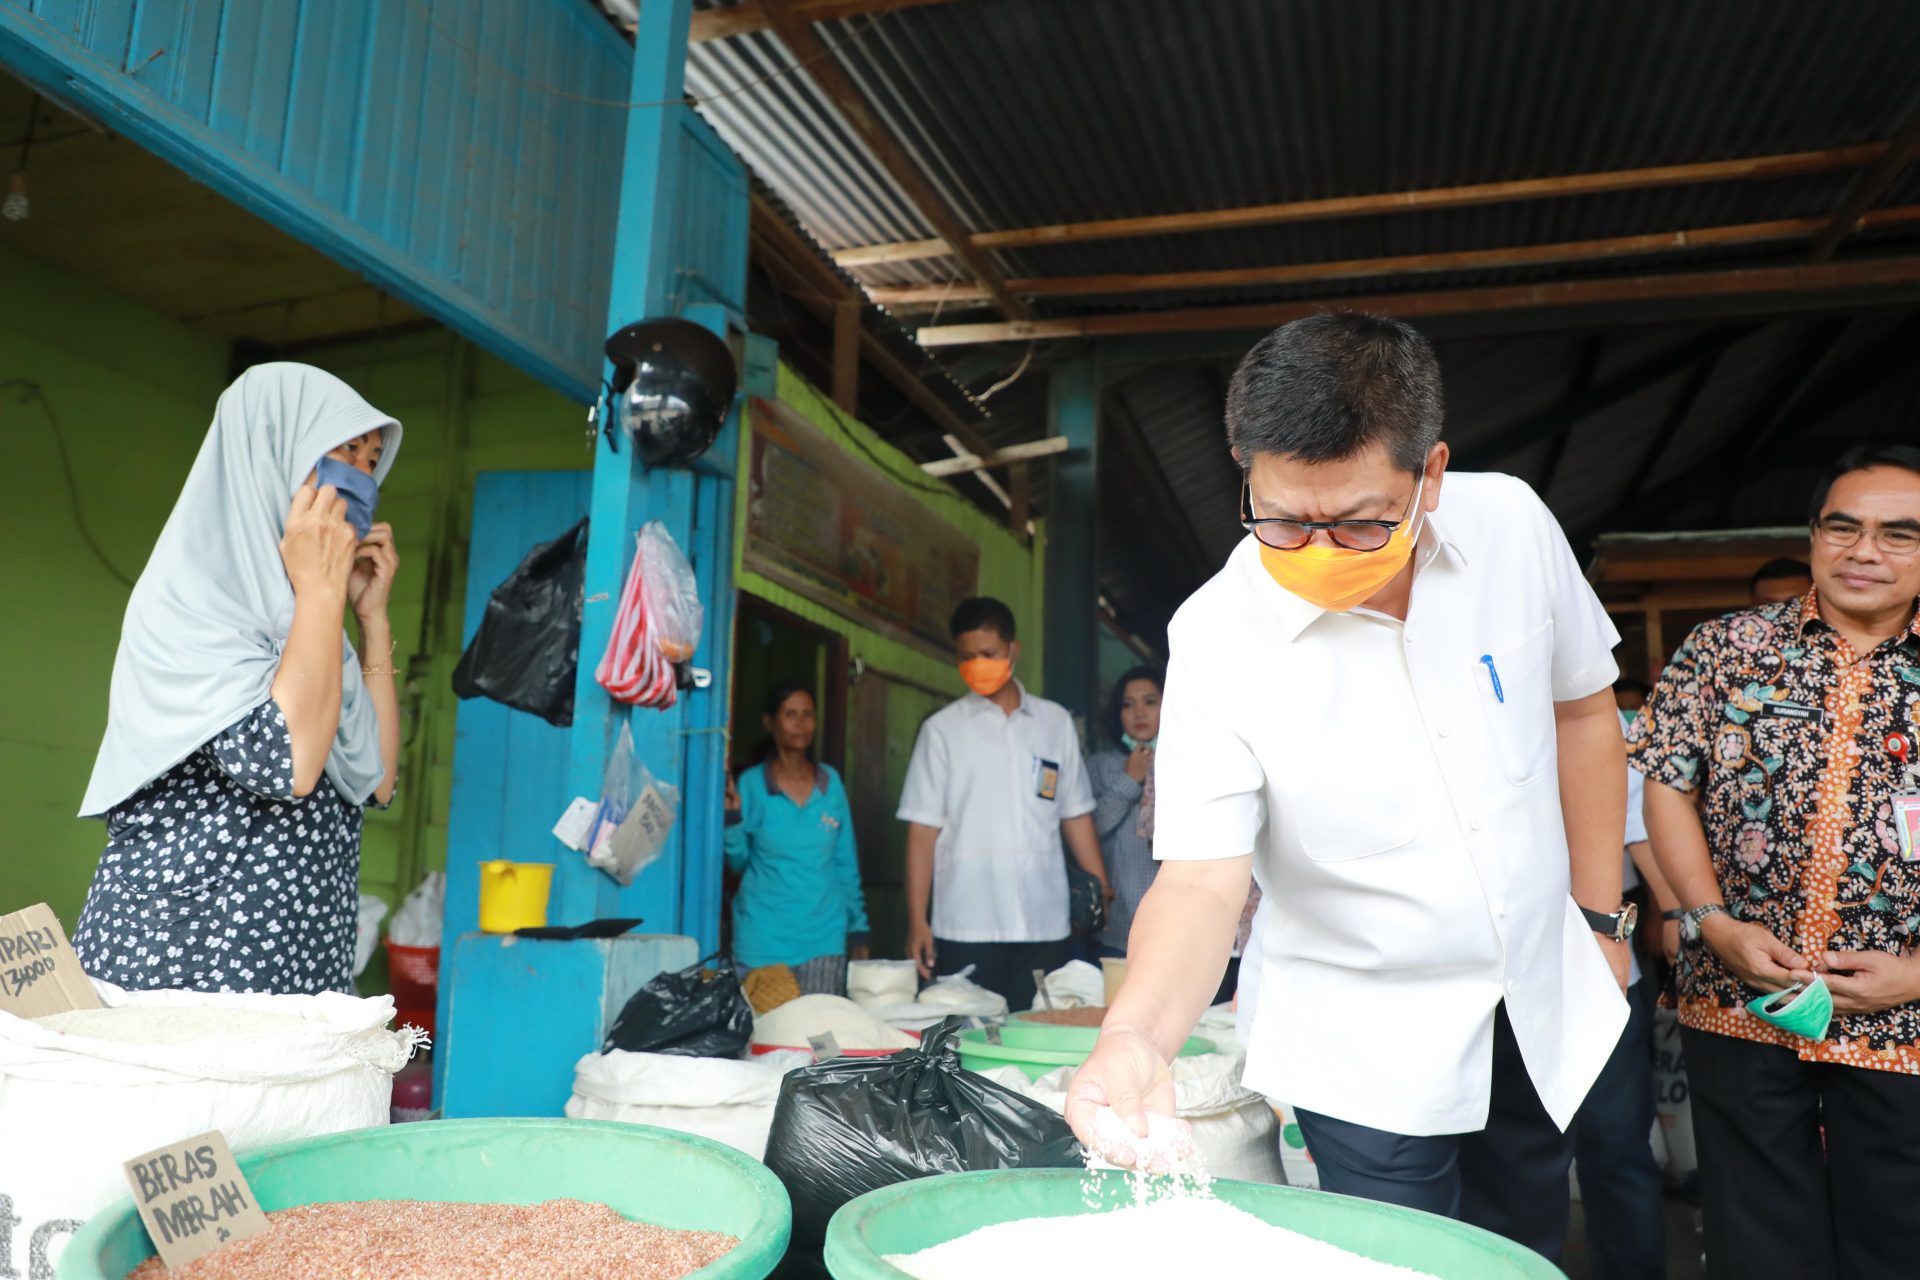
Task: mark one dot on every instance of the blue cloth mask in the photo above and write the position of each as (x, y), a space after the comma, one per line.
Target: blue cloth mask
(359, 490)
(1134, 744)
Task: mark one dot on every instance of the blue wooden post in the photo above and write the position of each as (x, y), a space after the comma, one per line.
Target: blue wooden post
(1072, 658)
(680, 892)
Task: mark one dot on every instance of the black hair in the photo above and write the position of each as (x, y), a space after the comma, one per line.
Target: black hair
(982, 613)
(776, 699)
(1118, 696)
(1863, 457)
(1785, 566)
(1334, 384)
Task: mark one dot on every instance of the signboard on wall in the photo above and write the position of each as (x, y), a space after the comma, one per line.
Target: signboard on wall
(838, 531)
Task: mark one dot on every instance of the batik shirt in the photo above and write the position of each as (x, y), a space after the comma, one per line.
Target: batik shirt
(1791, 739)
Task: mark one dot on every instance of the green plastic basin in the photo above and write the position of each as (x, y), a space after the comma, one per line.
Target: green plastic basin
(913, 1216)
(1037, 1047)
(653, 1175)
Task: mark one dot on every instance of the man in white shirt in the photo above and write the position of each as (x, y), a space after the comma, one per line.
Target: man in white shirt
(1395, 712)
(995, 783)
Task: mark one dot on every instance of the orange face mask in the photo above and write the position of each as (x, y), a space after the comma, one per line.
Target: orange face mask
(1337, 579)
(986, 676)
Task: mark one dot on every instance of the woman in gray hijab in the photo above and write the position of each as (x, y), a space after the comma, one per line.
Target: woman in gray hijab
(245, 735)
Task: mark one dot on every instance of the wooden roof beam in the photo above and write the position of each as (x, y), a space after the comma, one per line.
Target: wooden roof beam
(1870, 186)
(1753, 168)
(796, 32)
(1865, 273)
(746, 18)
(1405, 264)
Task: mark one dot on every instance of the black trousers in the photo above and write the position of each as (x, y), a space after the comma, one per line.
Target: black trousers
(1776, 1201)
(1510, 1177)
(1620, 1185)
(1003, 967)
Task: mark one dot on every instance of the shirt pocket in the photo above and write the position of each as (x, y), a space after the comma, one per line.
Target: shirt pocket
(1515, 690)
(1342, 814)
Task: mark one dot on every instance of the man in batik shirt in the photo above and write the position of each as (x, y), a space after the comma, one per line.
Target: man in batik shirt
(1781, 749)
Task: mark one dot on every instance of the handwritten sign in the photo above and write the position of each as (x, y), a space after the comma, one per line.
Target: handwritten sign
(193, 1198)
(39, 973)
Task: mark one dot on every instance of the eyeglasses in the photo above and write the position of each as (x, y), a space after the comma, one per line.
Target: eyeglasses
(1894, 540)
(1291, 535)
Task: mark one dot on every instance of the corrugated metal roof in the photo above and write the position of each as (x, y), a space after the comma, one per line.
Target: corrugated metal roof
(1031, 112)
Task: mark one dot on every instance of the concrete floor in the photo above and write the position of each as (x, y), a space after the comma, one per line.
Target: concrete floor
(1683, 1244)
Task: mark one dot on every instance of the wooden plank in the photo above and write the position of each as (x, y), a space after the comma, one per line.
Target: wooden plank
(746, 18)
(796, 33)
(1864, 273)
(1403, 264)
(846, 355)
(815, 285)
(1870, 186)
(1017, 453)
(1752, 168)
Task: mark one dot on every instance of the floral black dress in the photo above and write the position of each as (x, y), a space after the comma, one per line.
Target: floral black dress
(217, 877)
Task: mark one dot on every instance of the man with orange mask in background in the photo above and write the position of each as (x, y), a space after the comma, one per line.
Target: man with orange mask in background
(995, 783)
(1394, 710)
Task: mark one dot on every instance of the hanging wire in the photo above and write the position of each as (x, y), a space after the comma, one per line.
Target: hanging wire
(480, 58)
(1010, 379)
(31, 391)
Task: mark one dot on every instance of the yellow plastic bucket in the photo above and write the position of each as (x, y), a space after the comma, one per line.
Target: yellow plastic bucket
(513, 895)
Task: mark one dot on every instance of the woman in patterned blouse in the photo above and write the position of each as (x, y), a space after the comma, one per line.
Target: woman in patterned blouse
(244, 735)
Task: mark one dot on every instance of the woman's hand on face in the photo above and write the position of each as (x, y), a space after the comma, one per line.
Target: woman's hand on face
(318, 545)
(1139, 763)
(375, 563)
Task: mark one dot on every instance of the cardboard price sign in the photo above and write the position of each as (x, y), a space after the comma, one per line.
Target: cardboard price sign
(39, 972)
(193, 1199)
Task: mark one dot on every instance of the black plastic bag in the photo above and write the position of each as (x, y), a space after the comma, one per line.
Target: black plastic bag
(1087, 899)
(527, 648)
(695, 1013)
(852, 1125)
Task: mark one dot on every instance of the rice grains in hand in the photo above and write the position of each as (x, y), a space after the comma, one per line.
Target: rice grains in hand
(422, 1240)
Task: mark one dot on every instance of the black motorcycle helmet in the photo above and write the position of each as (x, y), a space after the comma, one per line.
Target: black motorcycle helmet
(673, 383)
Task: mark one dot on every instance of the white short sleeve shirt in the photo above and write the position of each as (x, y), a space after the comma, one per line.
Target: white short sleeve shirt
(998, 787)
(1396, 785)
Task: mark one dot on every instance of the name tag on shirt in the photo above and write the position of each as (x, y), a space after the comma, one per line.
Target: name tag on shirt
(1906, 821)
(1792, 711)
(1046, 778)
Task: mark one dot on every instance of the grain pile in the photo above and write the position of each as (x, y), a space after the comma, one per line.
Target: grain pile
(1092, 1016)
(1182, 1237)
(420, 1240)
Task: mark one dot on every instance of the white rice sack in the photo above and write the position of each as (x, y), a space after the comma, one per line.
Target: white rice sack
(719, 1098)
(86, 1090)
(883, 982)
(1076, 985)
(794, 1024)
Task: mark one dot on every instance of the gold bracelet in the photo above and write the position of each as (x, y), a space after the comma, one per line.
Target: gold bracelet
(389, 669)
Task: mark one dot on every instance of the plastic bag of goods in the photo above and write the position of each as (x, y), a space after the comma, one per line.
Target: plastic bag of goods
(1234, 1128)
(83, 1091)
(1076, 985)
(417, 923)
(853, 1125)
(882, 982)
(696, 1012)
(673, 593)
(717, 1098)
(955, 995)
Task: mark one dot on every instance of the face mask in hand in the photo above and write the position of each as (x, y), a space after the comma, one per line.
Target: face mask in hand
(1134, 744)
(356, 488)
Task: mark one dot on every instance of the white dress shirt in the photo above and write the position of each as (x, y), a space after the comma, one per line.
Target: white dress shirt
(1396, 784)
(998, 787)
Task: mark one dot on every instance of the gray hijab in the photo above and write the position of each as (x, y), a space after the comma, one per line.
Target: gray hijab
(206, 622)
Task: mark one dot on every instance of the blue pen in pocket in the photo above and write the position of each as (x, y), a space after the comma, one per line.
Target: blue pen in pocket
(1493, 674)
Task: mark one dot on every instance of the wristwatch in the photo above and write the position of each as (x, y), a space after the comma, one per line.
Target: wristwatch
(1690, 922)
(1617, 927)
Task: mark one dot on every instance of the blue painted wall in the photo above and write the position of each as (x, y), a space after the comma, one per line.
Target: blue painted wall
(463, 155)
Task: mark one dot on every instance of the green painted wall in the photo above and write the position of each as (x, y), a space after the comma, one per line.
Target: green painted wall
(1008, 570)
(134, 391)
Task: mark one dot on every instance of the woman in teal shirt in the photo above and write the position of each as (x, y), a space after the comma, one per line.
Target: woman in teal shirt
(790, 837)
